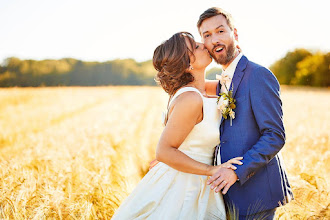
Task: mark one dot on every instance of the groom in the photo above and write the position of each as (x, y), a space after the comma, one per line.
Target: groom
(260, 185)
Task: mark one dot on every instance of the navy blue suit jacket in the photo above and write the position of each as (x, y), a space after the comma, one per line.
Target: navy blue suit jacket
(257, 133)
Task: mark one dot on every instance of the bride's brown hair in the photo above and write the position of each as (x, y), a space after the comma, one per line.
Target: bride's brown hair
(172, 59)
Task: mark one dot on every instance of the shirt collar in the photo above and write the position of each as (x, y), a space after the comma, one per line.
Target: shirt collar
(230, 70)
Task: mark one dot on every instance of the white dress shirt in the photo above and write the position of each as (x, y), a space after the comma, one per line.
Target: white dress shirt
(230, 70)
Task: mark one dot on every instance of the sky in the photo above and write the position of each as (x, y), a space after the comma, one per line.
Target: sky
(102, 30)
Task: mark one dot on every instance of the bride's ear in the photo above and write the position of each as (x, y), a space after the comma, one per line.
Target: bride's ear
(189, 69)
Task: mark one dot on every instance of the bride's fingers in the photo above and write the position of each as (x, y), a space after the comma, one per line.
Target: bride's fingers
(216, 183)
(222, 184)
(212, 178)
(234, 161)
(225, 190)
(230, 166)
(238, 158)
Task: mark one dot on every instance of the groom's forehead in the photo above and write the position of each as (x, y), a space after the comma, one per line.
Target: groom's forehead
(213, 23)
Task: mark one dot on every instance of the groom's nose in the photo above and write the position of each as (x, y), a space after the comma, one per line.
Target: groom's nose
(215, 40)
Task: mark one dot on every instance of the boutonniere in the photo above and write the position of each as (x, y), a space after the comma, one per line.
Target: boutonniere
(226, 102)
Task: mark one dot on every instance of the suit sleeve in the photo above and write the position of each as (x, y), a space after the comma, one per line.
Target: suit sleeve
(267, 109)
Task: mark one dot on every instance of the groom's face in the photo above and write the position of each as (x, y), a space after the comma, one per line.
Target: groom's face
(219, 39)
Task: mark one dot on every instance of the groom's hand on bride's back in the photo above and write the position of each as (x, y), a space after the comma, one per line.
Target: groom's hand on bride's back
(225, 176)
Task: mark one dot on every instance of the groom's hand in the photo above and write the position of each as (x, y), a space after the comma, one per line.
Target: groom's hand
(224, 178)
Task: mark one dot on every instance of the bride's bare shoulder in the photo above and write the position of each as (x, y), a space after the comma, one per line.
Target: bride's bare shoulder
(189, 98)
(189, 102)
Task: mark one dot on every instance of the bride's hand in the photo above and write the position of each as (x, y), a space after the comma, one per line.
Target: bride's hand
(228, 164)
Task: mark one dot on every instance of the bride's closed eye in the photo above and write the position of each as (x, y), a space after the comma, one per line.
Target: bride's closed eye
(197, 46)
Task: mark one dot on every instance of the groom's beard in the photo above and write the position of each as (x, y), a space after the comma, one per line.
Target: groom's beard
(225, 58)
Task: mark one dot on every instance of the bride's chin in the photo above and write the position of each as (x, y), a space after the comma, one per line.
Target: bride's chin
(206, 65)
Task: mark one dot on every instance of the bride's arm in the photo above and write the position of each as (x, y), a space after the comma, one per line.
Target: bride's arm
(211, 86)
(187, 111)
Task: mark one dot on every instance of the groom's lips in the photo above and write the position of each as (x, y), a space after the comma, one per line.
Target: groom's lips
(218, 49)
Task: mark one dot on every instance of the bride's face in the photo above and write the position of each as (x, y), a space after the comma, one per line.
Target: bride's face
(201, 57)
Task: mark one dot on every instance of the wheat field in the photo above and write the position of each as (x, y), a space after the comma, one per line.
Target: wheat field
(77, 152)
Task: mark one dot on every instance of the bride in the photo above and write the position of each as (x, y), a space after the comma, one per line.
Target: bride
(176, 187)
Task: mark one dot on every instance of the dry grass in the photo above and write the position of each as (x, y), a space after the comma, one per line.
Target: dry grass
(76, 153)
(307, 152)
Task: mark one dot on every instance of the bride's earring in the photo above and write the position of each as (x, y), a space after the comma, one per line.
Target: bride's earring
(191, 68)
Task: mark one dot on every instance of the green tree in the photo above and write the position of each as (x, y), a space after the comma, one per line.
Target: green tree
(285, 68)
(314, 70)
(210, 74)
(68, 71)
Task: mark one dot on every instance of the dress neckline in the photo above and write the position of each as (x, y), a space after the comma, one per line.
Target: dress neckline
(203, 96)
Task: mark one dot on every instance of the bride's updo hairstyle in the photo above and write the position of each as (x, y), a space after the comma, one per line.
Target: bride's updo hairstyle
(171, 60)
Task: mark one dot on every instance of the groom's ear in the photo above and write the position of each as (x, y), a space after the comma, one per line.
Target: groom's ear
(235, 34)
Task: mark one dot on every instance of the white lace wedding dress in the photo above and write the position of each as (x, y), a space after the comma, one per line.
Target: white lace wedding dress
(165, 193)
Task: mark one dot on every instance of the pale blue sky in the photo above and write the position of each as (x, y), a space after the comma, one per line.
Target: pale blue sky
(101, 30)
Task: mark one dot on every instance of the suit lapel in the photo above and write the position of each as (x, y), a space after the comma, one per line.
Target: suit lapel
(238, 75)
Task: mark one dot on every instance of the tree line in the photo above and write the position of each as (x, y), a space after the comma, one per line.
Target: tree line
(302, 67)
(73, 72)
(298, 67)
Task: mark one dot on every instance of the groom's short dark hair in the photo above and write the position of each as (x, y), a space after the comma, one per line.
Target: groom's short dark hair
(214, 11)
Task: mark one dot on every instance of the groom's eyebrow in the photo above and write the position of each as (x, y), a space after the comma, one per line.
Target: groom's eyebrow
(216, 28)
(219, 26)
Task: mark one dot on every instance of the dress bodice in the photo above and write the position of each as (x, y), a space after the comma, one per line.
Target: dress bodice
(194, 199)
(203, 138)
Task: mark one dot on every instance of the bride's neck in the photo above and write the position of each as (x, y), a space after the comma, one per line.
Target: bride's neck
(199, 82)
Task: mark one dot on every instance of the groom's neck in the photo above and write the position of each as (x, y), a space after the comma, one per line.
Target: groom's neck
(224, 67)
